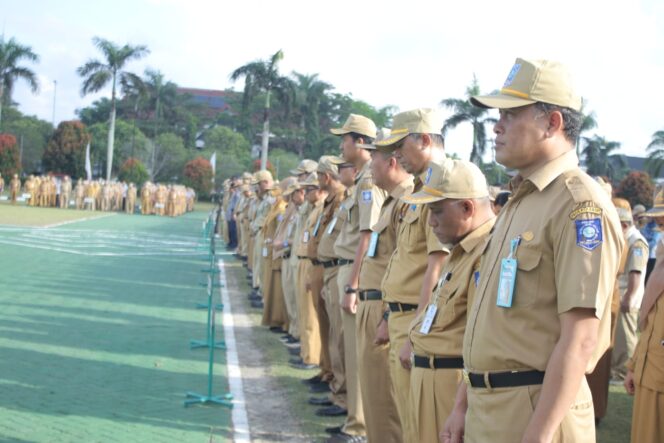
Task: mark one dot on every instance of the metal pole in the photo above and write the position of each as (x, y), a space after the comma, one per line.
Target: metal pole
(55, 87)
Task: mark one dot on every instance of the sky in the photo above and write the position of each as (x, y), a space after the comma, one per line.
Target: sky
(406, 54)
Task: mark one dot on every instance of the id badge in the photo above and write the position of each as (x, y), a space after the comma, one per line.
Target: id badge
(317, 227)
(305, 238)
(371, 252)
(330, 228)
(290, 230)
(506, 282)
(429, 316)
(264, 251)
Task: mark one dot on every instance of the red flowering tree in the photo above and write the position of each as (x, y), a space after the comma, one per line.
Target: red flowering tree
(637, 188)
(198, 175)
(257, 167)
(133, 171)
(65, 152)
(9, 157)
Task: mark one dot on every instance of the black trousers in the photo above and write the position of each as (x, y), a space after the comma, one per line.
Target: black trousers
(232, 235)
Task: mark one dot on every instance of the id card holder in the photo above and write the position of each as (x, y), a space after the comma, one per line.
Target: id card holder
(373, 243)
(507, 282)
(264, 251)
(317, 227)
(330, 228)
(305, 237)
(429, 316)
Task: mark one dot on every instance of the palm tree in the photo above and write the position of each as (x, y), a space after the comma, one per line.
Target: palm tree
(464, 112)
(589, 122)
(136, 90)
(310, 95)
(96, 75)
(11, 55)
(263, 75)
(655, 149)
(599, 158)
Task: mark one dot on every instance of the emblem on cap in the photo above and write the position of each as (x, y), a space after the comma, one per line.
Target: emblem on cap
(427, 178)
(512, 74)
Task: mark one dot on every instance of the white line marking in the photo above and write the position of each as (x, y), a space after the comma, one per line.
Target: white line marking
(239, 414)
(55, 225)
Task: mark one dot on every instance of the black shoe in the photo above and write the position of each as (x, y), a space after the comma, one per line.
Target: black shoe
(313, 380)
(255, 298)
(276, 330)
(333, 430)
(296, 361)
(331, 411)
(257, 304)
(319, 388)
(285, 338)
(304, 366)
(292, 340)
(294, 351)
(342, 437)
(320, 401)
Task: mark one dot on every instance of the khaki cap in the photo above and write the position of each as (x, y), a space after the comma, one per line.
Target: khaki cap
(286, 183)
(451, 179)
(532, 81)
(311, 180)
(657, 209)
(263, 175)
(305, 167)
(330, 163)
(247, 175)
(417, 121)
(638, 210)
(624, 214)
(358, 124)
(381, 135)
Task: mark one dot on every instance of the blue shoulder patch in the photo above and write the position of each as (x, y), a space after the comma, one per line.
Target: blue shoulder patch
(366, 196)
(588, 233)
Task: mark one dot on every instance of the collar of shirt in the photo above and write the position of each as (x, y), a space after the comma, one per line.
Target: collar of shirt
(365, 171)
(403, 188)
(548, 172)
(474, 238)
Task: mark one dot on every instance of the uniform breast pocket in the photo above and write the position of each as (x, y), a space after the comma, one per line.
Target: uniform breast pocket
(414, 233)
(450, 304)
(527, 277)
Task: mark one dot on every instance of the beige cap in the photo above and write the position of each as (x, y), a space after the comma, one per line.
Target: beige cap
(263, 175)
(417, 121)
(624, 214)
(305, 167)
(532, 81)
(358, 124)
(638, 210)
(329, 163)
(381, 135)
(311, 180)
(657, 209)
(450, 179)
(287, 183)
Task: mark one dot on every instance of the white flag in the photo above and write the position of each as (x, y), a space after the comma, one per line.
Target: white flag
(88, 168)
(213, 162)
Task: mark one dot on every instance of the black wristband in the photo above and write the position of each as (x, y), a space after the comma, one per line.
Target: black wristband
(386, 315)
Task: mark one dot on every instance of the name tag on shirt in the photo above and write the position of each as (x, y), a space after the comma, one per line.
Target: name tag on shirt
(373, 243)
(429, 316)
(264, 252)
(315, 233)
(506, 282)
(290, 230)
(305, 238)
(330, 228)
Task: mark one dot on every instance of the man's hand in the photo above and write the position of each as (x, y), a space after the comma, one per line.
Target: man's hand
(382, 335)
(349, 303)
(629, 382)
(624, 307)
(454, 428)
(404, 355)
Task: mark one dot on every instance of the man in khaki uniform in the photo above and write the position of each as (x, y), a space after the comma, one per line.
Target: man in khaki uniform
(462, 216)
(359, 211)
(327, 230)
(414, 268)
(373, 350)
(14, 188)
(130, 201)
(65, 192)
(631, 283)
(146, 198)
(645, 377)
(541, 316)
(263, 179)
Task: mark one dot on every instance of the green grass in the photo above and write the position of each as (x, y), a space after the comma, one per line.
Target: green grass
(616, 426)
(96, 347)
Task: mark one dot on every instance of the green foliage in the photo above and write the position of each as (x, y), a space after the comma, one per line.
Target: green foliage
(169, 157)
(9, 161)
(65, 152)
(129, 142)
(30, 132)
(283, 162)
(655, 149)
(599, 158)
(198, 176)
(233, 152)
(133, 171)
(637, 188)
(12, 53)
(496, 175)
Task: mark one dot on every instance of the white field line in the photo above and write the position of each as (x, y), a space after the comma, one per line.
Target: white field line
(239, 414)
(55, 225)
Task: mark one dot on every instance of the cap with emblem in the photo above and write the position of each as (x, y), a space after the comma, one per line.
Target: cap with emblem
(381, 135)
(306, 166)
(329, 163)
(417, 121)
(311, 180)
(657, 209)
(357, 124)
(450, 179)
(532, 81)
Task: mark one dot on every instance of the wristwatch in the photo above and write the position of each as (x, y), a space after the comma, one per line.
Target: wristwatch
(349, 290)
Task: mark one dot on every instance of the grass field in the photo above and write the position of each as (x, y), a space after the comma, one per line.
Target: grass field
(95, 326)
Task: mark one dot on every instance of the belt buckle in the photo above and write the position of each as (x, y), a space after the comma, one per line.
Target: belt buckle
(466, 377)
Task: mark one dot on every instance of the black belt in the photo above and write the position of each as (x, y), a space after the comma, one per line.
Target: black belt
(330, 264)
(370, 294)
(402, 307)
(422, 361)
(286, 255)
(504, 379)
(315, 262)
(343, 261)
(302, 257)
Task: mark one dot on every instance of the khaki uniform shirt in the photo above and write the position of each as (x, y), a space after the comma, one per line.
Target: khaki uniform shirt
(637, 261)
(284, 230)
(453, 296)
(309, 239)
(415, 241)
(385, 230)
(571, 241)
(299, 247)
(270, 226)
(262, 211)
(358, 212)
(329, 227)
